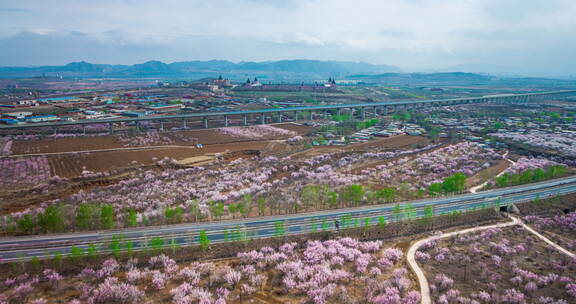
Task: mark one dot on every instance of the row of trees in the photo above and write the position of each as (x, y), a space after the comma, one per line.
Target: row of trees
(318, 196)
(54, 219)
(452, 184)
(530, 175)
(94, 216)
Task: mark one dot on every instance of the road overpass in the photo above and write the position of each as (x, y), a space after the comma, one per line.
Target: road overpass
(224, 117)
(24, 248)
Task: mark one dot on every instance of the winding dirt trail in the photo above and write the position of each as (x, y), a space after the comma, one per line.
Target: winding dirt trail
(547, 240)
(423, 282)
(504, 156)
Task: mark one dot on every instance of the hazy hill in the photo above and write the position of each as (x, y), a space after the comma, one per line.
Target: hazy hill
(283, 69)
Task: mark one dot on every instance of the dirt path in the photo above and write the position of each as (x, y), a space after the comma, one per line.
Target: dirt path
(547, 240)
(422, 281)
(476, 188)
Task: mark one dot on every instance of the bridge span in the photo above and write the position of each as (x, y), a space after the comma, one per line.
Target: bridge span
(260, 115)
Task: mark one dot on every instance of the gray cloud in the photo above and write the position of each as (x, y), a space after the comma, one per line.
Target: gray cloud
(413, 34)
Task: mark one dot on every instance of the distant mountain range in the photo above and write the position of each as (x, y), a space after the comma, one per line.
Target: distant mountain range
(278, 70)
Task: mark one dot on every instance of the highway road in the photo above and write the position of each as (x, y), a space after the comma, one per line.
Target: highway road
(21, 248)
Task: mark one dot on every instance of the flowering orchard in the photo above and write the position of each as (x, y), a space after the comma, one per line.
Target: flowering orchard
(271, 185)
(562, 144)
(144, 139)
(560, 228)
(433, 167)
(321, 272)
(528, 169)
(259, 131)
(497, 266)
(5, 146)
(22, 172)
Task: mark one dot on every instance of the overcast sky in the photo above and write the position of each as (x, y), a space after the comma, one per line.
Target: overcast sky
(531, 37)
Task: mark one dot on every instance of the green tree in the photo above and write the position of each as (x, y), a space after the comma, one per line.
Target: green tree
(52, 219)
(86, 215)
(538, 175)
(397, 212)
(91, 250)
(115, 245)
(178, 214)
(132, 219)
(35, 263)
(435, 189)
(353, 193)
(26, 224)
(129, 247)
(76, 253)
(216, 209)
(204, 240)
(324, 225)
(169, 214)
(232, 209)
(310, 195)
(386, 194)
(247, 199)
(381, 222)
(107, 216)
(279, 228)
(526, 176)
(261, 205)
(156, 243)
(429, 211)
(454, 183)
(333, 199)
(502, 181)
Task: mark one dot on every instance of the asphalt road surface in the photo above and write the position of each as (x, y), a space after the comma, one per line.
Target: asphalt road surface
(22, 248)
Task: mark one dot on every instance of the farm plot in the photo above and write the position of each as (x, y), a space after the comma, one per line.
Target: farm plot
(317, 272)
(559, 228)
(432, 167)
(253, 132)
(24, 172)
(5, 146)
(507, 265)
(561, 144)
(60, 144)
(257, 186)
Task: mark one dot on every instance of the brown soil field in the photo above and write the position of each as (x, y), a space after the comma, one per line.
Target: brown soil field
(85, 143)
(486, 174)
(70, 165)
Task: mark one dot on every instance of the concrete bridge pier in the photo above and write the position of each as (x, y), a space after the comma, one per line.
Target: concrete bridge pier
(363, 113)
(311, 115)
(262, 118)
(325, 114)
(225, 120)
(184, 126)
(55, 130)
(161, 125)
(279, 116)
(84, 130)
(205, 122)
(295, 115)
(245, 119)
(386, 110)
(111, 128)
